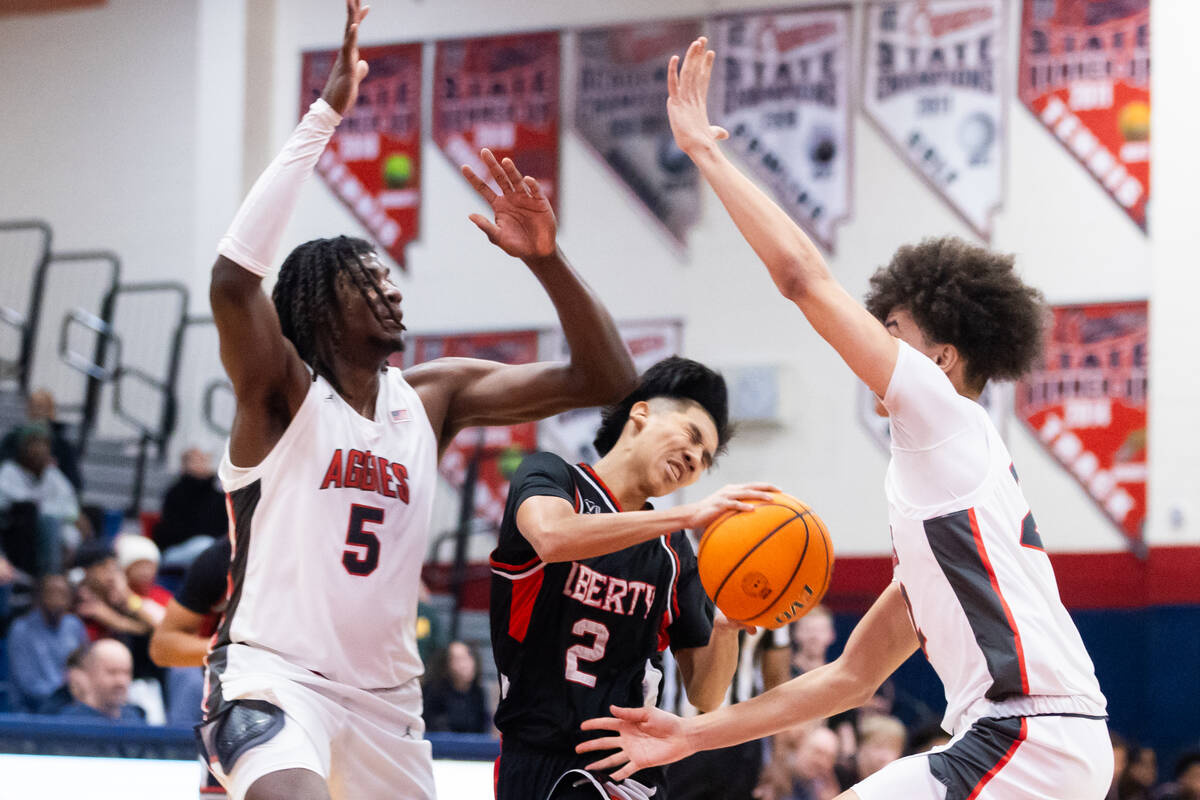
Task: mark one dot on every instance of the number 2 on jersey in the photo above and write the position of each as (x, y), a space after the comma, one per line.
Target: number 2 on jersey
(580, 652)
(362, 563)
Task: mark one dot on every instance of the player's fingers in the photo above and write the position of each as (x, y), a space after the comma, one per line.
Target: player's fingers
(625, 771)
(597, 724)
(478, 185)
(534, 187)
(498, 173)
(363, 13)
(706, 68)
(487, 226)
(673, 76)
(514, 175)
(612, 762)
(760, 487)
(692, 64)
(719, 133)
(361, 69)
(630, 714)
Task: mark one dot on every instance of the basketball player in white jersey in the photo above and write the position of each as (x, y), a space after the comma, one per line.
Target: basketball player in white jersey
(972, 585)
(330, 470)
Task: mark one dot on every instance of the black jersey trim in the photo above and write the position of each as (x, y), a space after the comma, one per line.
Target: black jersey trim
(968, 765)
(600, 486)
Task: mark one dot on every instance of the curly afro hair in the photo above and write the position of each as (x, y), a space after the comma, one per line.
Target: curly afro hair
(674, 378)
(967, 296)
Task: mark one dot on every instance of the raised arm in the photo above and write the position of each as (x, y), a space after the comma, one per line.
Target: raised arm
(177, 641)
(880, 643)
(464, 392)
(269, 378)
(794, 262)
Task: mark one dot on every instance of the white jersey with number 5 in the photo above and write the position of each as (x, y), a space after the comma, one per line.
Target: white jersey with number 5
(970, 560)
(329, 533)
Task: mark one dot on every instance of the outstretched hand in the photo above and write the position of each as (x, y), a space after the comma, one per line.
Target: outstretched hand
(645, 737)
(687, 98)
(524, 225)
(341, 89)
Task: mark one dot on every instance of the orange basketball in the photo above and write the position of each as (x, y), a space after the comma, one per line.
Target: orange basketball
(768, 566)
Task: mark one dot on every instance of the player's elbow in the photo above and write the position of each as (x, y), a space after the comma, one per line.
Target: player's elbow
(607, 381)
(852, 685)
(160, 652)
(708, 699)
(546, 544)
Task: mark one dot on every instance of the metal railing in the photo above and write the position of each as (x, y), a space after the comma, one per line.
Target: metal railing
(26, 322)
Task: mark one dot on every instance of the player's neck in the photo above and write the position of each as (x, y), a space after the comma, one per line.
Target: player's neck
(621, 480)
(359, 386)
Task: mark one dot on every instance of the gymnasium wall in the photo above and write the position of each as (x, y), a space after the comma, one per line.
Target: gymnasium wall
(138, 126)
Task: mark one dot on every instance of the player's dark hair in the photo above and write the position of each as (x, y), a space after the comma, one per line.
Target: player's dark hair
(675, 378)
(306, 298)
(967, 296)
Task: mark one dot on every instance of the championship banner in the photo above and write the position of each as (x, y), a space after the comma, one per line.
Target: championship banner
(782, 90)
(570, 434)
(1087, 405)
(373, 163)
(621, 111)
(1085, 73)
(497, 447)
(933, 84)
(499, 92)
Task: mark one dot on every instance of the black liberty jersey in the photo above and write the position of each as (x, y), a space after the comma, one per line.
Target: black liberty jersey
(572, 638)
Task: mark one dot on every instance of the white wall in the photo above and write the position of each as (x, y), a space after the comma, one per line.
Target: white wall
(1072, 240)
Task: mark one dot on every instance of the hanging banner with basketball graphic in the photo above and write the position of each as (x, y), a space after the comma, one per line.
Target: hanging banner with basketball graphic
(1085, 74)
(1087, 403)
(373, 162)
(781, 87)
(933, 84)
(496, 447)
(500, 92)
(621, 112)
(570, 434)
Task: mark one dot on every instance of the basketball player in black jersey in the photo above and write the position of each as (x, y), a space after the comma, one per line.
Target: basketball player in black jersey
(590, 584)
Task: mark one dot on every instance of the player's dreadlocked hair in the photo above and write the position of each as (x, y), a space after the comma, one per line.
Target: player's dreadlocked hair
(965, 295)
(677, 379)
(306, 298)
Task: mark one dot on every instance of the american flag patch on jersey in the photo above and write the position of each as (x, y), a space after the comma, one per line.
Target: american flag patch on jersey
(400, 415)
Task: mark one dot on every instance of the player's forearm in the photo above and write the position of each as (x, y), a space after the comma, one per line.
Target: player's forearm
(815, 695)
(169, 648)
(789, 255)
(257, 228)
(580, 536)
(600, 363)
(712, 669)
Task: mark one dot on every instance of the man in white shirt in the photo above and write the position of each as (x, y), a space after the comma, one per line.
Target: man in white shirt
(973, 586)
(33, 478)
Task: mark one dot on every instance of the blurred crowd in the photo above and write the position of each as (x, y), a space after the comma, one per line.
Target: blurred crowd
(116, 628)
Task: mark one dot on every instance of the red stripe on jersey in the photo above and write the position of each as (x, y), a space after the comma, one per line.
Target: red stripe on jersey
(612, 497)
(664, 637)
(991, 773)
(514, 567)
(496, 775)
(1012, 623)
(524, 594)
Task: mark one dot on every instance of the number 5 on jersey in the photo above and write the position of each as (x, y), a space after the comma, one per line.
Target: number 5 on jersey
(362, 556)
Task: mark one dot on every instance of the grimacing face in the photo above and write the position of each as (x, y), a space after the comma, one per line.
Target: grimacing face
(675, 442)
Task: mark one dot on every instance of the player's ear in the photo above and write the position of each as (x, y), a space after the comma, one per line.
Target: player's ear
(639, 415)
(946, 357)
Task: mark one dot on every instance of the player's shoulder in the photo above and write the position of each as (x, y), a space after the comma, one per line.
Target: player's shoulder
(544, 462)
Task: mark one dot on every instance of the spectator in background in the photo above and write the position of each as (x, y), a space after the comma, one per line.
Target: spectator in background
(1187, 780)
(812, 636)
(38, 508)
(137, 557)
(180, 641)
(881, 741)
(455, 700)
(802, 766)
(103, 599)
(1140, 775)
(926, 737)
(431, 636)
(39, 644)
(1120, 749)
(40, 410)
(193, 511)
(108, 670)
